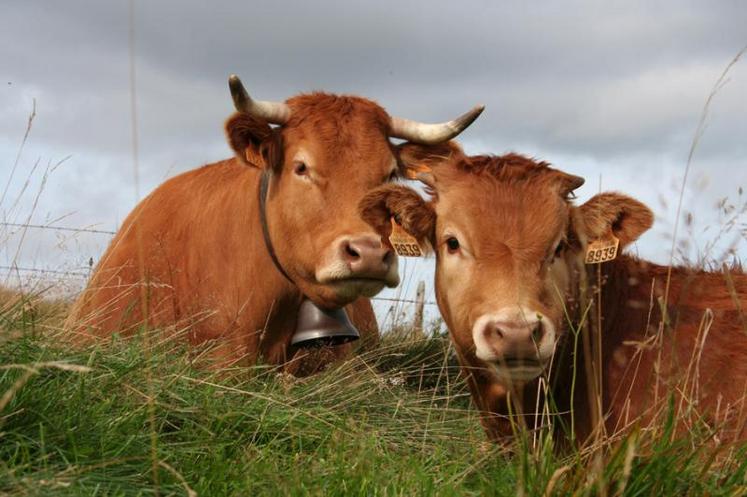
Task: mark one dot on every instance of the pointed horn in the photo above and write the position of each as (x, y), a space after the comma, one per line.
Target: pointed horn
(272, 112)
(430, 134)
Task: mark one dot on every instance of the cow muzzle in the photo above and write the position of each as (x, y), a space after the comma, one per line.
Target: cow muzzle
(518, 342)
(361, 264)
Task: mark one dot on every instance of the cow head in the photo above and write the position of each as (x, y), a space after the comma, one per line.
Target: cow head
(325, 154)
(509, 248)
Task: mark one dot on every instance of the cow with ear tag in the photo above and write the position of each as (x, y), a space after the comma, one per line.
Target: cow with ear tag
(226, 253)
(537, 292)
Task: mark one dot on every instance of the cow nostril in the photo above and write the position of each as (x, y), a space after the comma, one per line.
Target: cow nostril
(351, 252)
(537, 332)
(498, 332)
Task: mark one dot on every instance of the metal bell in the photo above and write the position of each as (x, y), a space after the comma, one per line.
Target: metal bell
(318, 327)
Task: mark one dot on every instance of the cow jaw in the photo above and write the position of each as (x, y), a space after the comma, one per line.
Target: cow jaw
(351, 288)
(338, 293)
(517, 374)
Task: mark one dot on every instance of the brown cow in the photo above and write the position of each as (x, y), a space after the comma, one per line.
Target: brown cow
(526, 312)
(193, 256)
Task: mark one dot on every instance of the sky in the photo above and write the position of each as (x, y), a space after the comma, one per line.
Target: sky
(611, 91)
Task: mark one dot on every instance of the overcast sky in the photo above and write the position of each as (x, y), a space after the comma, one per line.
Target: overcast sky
(611, 91)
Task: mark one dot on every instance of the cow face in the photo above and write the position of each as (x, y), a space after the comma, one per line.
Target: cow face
(328, 152)
(322, 161)
(509, 248)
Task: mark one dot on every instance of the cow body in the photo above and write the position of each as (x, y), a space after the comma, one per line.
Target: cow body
(696, 351)
(228, 293)
(193, 258)
(697, 360)
(609, 344)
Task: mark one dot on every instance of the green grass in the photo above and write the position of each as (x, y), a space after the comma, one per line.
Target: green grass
(122, 420)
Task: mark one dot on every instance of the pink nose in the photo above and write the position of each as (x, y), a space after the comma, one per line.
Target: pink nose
(512, 340)
(367, 257)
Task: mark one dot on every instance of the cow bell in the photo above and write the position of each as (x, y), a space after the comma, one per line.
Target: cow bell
(319, 327)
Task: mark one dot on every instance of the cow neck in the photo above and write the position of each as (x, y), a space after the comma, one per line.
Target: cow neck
(263, 187)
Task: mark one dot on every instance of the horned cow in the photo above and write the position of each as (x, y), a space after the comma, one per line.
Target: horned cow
(228, 251)
(520, 285)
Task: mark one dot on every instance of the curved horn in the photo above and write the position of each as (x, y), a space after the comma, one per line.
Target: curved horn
(430, 134)
(272, 112)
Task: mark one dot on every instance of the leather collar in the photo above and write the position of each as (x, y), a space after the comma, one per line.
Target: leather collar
(263, 186)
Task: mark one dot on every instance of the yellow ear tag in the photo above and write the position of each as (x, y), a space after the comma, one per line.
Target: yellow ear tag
(403, 243)
(602, 249)
(411, 172)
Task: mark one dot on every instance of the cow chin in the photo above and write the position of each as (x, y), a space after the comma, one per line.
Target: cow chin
(342, 291)
(351, 289)
(343, 286)
(517, 374)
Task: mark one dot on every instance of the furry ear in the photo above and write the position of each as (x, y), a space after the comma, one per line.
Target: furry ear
(568, 182)
(415, 215)
(419, 160)
(254, 141)
(624, 216)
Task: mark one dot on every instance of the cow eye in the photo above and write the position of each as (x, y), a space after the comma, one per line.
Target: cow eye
(452, 244)
(300, 169)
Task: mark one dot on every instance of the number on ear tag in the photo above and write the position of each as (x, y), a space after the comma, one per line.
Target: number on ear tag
(602, 250)
(403, 243)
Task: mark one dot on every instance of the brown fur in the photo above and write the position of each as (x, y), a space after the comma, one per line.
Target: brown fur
(510, 210)
(191, 257)
(410, 209)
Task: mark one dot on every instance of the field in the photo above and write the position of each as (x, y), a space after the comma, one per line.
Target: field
(135, 417)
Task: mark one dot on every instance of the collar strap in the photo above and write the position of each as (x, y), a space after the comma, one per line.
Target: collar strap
(263, 186)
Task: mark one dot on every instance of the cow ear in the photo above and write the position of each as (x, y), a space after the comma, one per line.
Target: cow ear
(418, 161)
(414, 214)
(253, 140)
(623, 216)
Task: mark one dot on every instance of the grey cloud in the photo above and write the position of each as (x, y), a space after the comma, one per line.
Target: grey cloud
(576, 75)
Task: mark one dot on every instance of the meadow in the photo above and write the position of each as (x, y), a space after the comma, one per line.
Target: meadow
(137, 417)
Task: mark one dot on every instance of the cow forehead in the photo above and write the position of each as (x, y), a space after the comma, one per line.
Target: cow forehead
(307, 105)
(523, 215)
(339, 131)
